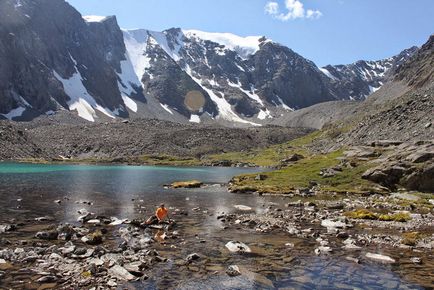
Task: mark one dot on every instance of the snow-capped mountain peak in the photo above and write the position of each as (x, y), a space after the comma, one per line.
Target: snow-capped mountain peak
(244, 46)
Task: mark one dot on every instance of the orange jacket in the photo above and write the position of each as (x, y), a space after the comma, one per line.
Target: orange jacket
(161, 213)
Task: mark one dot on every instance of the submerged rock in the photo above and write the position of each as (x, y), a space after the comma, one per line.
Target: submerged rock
(238, 247)
(233, 270)
(243, 207)
(380, 258)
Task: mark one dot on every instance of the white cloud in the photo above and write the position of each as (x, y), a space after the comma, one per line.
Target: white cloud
(272, 8)
(295, 10)
(315, 14)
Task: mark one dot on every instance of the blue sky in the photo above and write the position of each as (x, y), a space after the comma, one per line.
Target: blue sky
(325, 31)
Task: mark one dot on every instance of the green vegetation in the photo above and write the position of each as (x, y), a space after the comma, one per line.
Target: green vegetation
(411, 238)
(301, 173)
(187, 184)
(369, 215)
(361, 214)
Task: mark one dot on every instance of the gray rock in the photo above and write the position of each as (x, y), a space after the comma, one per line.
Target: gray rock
(47, 235)
(193, 257)
(233, 271)
(120, 273)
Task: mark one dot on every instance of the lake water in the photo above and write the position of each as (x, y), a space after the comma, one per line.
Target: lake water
(28, 191)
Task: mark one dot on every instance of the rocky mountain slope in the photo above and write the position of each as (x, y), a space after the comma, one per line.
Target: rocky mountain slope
(120, 141)
(52, 58)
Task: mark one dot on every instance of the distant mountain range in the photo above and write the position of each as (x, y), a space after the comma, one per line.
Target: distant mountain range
(52, 58)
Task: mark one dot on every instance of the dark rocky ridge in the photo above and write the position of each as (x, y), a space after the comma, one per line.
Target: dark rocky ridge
(139, 137)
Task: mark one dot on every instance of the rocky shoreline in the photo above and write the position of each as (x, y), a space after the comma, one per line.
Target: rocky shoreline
(99, 252)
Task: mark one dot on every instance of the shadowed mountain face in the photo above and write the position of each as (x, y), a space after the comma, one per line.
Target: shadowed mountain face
(52, 58)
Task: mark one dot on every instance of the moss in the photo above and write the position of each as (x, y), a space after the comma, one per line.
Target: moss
(369, 215)
(300, 173)
(411, 238)
(397, 217)
(187, 184)
(361, 214)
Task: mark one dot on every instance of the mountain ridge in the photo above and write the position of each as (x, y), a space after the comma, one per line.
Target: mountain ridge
(89, 65)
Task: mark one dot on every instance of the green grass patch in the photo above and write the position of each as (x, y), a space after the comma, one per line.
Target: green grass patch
(299, 175)
(366, 214)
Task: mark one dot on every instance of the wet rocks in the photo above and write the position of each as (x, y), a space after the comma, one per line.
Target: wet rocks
(192, 257)
(380, 258)
(233, 271)
(120, 273)
(238, 247)
(416, 260)
(243, 207)
(94, 238)
(47, 235)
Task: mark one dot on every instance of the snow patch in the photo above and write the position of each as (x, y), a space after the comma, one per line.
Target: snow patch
(251, 94)
(130, 103)
(194, 119)
(14, 113)
(285, 106)
(95, 18)
(166, 107)
(136, 45)
(327, 73)
(80, 99)
(244, 46)
(264, 114)
(225, 109)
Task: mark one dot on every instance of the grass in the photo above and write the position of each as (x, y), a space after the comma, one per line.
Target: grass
(187, 184)
(411, 238)
(369, 215)
(299, 175)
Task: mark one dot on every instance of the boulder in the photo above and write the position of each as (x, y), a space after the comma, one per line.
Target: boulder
(238, 247)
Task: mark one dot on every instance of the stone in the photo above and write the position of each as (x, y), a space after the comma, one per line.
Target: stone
(352, 259)
(380, 258)
(47, 235)
(112, 283)
(323, 250)
(328, 223)
(242, 207)
(193, 257)
(416, 260)
(238, 247)
(120, 273)
(47, 279)
(233, 270)
(135, 268)
(260, 177)
(94, 238)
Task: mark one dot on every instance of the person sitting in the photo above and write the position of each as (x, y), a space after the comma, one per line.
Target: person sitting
(159, 217)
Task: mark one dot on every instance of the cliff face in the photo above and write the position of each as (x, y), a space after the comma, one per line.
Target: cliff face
(52, 58)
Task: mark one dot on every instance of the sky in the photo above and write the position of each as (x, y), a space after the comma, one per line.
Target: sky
(324, 31)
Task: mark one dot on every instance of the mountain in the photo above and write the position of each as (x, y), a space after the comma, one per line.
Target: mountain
(52, 58)
(358, 80)
(401, 110)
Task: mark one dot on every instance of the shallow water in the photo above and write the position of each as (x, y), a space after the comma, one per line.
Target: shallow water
(134, 191)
